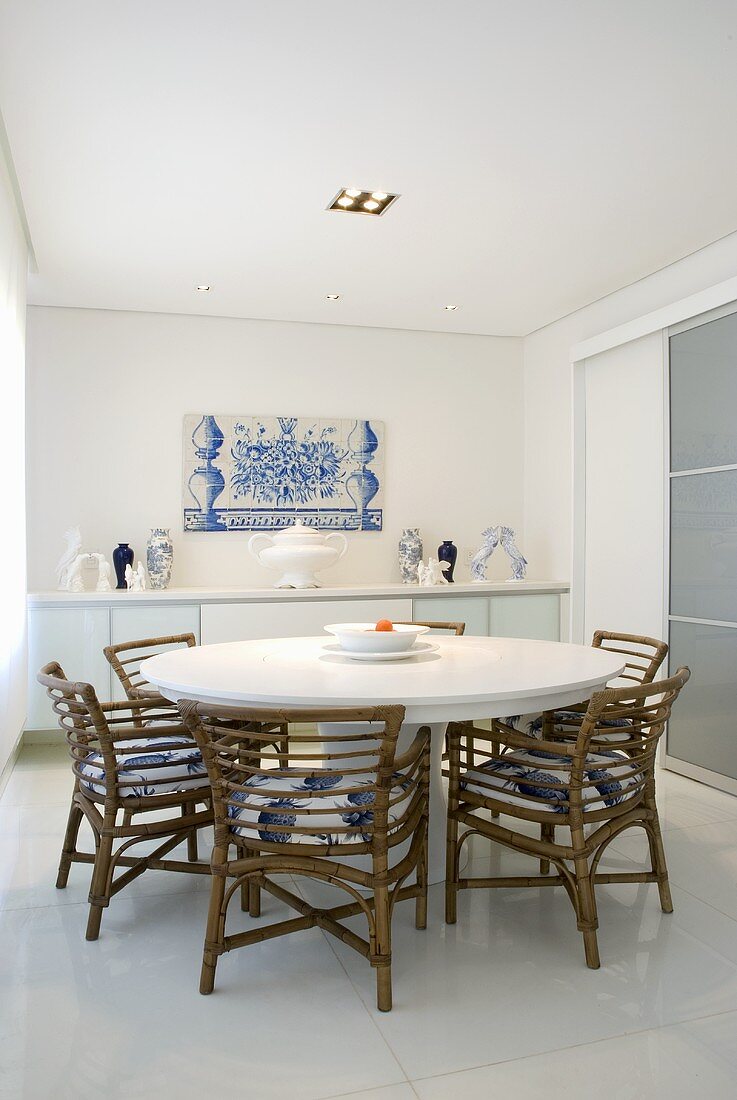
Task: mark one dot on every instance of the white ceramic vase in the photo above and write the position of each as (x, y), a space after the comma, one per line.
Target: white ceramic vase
(298, 552)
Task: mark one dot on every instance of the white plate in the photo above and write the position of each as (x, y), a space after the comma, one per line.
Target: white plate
(417, 649)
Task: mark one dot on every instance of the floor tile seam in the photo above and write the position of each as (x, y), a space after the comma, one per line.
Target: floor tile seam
(708, 905)
(579, 1046)
(328, 938)
(71, 904)
(683, 828)
(363, 1090)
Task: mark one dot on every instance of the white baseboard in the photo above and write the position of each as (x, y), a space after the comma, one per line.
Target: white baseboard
(43, 737)
(10, 764)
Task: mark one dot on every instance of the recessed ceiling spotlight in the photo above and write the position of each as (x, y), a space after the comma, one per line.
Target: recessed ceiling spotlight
(353, 201)
(451, 307)
(332, 297)
(203, 287)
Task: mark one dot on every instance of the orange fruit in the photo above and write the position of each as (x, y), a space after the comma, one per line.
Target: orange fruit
(384, 624)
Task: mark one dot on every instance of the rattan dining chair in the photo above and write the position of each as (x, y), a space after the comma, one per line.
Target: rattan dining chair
(584, 786)
(643, 659)
(347, 793)
(121, 771)
(128, 668)
(135, 685)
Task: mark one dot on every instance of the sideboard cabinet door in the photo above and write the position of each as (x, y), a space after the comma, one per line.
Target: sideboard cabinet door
(236, 622)
(471, 610)
(536, 615)
(74, 637)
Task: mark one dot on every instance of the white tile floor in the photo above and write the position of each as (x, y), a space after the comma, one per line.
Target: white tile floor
(500, 1004)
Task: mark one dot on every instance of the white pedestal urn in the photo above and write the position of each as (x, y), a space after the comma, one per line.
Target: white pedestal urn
(298, 552)
(159, 557)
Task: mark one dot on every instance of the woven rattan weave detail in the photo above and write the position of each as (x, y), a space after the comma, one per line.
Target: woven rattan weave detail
(569, 791)
(110, 795)
(341, 793)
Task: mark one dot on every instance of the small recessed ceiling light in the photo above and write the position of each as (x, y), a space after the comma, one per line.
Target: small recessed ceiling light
(353, 201)
(451, 307)
(203, 288)
(333, 297)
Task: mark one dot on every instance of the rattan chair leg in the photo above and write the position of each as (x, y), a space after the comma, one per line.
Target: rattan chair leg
(254, 895)
(587, 918)
(70, 845)
(189, 808)
(547, 832)
(421, 900)
(214, 935)
(451, 875)
(244, 896)
(100, 886)
(383, 958)
(659, 866)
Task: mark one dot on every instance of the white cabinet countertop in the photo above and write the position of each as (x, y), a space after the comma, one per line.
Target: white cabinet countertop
(53, 598)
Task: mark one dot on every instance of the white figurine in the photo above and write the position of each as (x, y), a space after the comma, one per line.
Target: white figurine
(74, 545)
(103, 573)
(519, 564)
(74, 582)
(481, 557)
(432, 573)
(135, 580)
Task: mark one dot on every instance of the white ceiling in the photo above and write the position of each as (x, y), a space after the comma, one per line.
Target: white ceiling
(547, 152)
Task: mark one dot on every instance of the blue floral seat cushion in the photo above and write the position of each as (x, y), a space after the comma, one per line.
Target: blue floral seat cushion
(516, 774)
(157, 769)
(341, 809)
(532, 724)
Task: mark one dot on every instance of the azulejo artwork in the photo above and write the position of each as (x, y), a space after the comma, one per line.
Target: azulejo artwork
(245, 473)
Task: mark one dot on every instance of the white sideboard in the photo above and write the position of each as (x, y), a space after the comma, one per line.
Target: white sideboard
(72, 628)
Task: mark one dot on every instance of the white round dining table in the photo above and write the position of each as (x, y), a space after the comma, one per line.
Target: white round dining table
(462, 678)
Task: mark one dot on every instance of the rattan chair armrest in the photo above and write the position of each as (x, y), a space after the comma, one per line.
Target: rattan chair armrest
(413, 753)
(144, 703)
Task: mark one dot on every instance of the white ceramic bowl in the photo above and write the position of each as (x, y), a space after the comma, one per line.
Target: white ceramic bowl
(365, 638)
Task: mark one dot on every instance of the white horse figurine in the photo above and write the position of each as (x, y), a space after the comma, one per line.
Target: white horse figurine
(481, 557)
(135, 579)
(519, 564)
(432, 573)
(103, 573)
(74, 545)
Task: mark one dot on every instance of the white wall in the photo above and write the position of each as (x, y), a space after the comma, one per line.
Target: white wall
(624, 530)
(547, 369)
(13, 271)
(107, 392)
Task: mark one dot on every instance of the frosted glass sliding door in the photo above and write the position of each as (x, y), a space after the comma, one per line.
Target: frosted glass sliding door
(702, 734)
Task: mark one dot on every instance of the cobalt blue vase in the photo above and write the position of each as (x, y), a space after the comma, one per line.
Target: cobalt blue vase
(122, 556)
(448, 552)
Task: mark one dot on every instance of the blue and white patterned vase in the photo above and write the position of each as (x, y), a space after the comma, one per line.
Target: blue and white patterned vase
(447, 551)
(159, 557)
(410, 554)
(122, 556)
